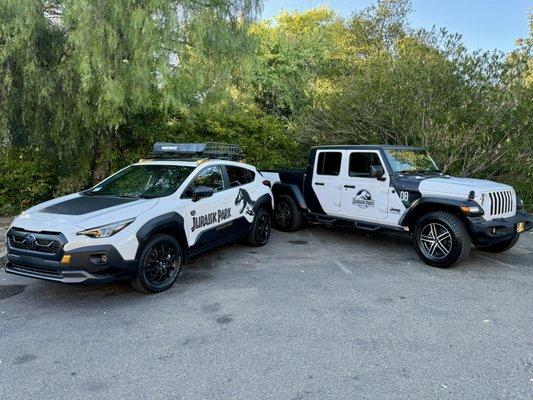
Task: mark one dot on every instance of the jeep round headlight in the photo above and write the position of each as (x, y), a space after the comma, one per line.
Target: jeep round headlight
(106, 230)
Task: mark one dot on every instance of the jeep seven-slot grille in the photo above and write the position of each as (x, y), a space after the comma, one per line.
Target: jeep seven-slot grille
(501, 202)
(33, 243)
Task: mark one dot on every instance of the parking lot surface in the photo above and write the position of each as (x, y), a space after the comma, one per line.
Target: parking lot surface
(316, 314)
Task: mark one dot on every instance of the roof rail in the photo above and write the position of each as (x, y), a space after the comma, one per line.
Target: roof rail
(210, 150)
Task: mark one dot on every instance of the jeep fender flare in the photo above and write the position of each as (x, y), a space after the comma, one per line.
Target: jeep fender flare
(428, 204)
(292, 190)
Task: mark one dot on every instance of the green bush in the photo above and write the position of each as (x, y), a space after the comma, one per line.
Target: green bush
(26, 179)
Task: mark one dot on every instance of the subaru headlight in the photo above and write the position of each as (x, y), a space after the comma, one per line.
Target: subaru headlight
(106, 230)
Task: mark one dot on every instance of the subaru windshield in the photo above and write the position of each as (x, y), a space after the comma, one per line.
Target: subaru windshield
(411, 161)
(144, 181)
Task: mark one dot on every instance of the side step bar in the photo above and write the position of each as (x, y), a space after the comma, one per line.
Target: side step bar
(367, 227)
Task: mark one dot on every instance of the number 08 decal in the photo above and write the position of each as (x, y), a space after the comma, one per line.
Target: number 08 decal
(404, 196)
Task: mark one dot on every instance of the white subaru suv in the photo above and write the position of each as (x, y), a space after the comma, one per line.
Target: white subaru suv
(143, 222)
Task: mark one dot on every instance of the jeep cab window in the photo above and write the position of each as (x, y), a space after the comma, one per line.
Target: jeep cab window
(329, 163)
(360, 164)
(146, 181)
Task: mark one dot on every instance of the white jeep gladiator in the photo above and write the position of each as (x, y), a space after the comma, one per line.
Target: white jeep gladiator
(396, 187)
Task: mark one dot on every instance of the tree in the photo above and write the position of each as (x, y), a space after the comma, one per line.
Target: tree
(74, 70)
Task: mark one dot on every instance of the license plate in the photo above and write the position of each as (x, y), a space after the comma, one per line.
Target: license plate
(520, 227)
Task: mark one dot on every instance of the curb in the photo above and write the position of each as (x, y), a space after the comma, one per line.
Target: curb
(3, 260)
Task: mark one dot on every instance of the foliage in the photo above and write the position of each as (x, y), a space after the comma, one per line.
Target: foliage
(25, 179)
(87, 86)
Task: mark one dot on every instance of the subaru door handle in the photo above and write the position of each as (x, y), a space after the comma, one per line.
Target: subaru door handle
(319, 183)
(349, 186)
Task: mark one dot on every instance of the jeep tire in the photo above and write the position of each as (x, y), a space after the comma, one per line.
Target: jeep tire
(441, 239)
(159, 264)
(500, 246)
(261, 229)
(287, 214)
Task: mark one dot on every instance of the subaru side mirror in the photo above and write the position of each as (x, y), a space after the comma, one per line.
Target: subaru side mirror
(377, 171)
(202, 192)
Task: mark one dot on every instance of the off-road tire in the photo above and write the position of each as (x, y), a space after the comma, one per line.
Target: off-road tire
(501, 246)
(459, 240)
(142, 281)
(287, 215)
(262, 226)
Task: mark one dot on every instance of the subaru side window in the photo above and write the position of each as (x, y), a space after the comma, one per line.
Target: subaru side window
(210, 177)
(238, 176)
(360, 163)
(329, 163)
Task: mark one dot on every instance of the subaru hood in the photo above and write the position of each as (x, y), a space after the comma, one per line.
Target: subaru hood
(82, 211)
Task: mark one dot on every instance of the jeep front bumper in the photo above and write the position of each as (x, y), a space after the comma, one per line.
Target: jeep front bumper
(486, 233)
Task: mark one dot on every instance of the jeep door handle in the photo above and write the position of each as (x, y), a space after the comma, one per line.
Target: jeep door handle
(226, 201)
(319, 183)
(349, 186)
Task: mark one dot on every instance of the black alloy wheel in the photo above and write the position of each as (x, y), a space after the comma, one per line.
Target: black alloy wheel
(283, 214)
(261, 228)
(287, 215)
(159, 264)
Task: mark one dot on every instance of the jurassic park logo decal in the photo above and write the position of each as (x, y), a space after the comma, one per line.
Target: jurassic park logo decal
(363, 199)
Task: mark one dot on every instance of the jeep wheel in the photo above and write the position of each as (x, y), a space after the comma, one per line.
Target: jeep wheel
(501, 246)
(287, 215)
(159, 264)
(261, 229)
(441, 240)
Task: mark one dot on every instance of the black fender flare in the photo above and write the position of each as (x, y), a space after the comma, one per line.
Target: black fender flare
(290, 189)
(166, 223)
(264, 201)
(435, 202)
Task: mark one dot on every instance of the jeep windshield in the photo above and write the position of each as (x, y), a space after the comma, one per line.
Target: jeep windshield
(411, 161)
(143, 181)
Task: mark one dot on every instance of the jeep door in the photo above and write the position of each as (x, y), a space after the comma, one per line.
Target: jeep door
(364, 198)
(326, 180)
(206, 219)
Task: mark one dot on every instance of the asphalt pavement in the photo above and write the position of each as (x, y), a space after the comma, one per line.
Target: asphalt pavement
(316, 314)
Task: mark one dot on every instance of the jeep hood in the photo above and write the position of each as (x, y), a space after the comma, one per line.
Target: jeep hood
(81, 211)
(458, 188)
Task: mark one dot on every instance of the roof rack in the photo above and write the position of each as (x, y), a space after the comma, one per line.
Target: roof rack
(195, 151)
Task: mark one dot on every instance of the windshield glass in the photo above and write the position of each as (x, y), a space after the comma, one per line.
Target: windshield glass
(146, 181)
(410, 161)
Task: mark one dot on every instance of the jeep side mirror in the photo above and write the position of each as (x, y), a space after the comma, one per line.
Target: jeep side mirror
(202, 192)
(377, 171)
